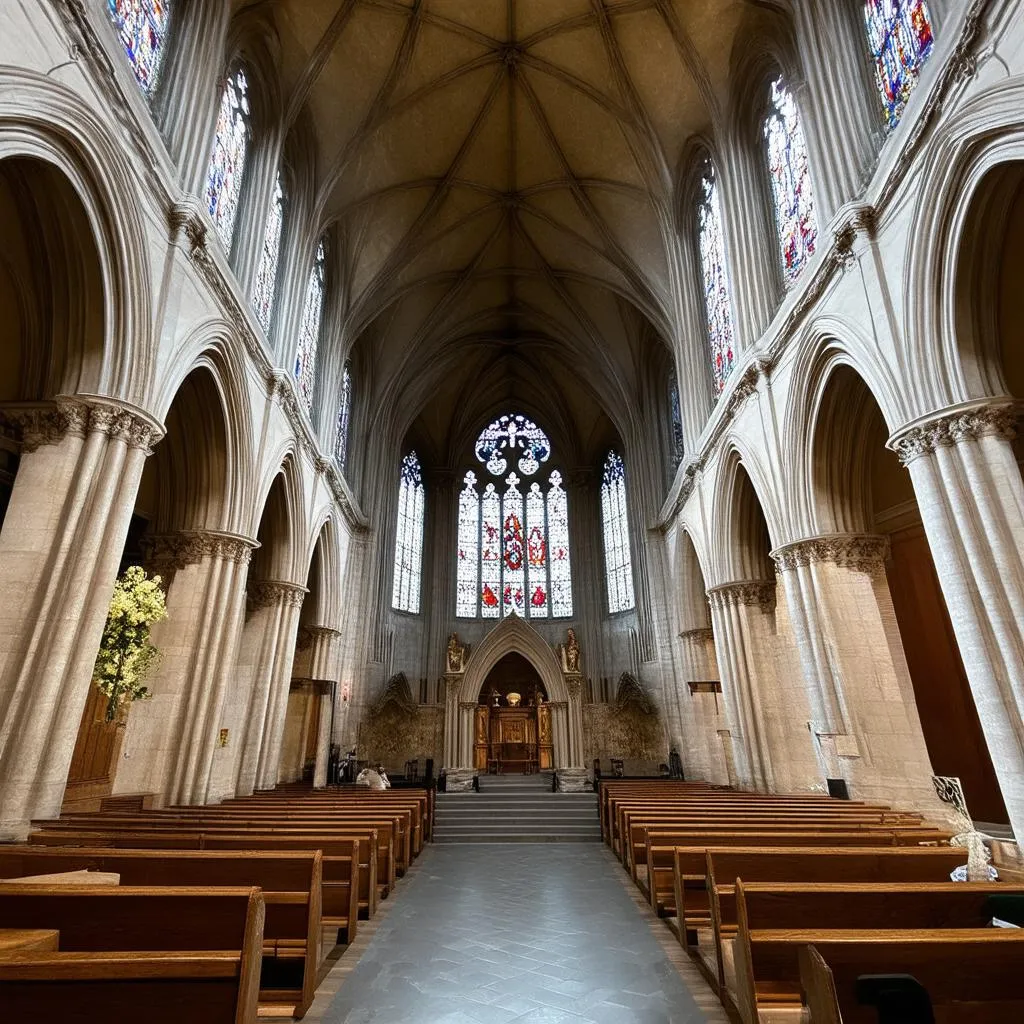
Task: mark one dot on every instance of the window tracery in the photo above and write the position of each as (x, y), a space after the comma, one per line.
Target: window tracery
(901, 40)
(717, 303)
(789, 170)
(142, 28)
(309, 331)
(513, 545)
(405, 591)
(227, 162)
(265, 289)
(617, 555)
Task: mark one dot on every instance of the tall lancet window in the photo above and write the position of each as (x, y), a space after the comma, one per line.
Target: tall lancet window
(676, 414)
(142, 28)
(618, 562)
(227, 162)
(265, 289)
(513, 544)
(344, 417)
(901, 40)
(309, 331)
(790, 173)
(405, 591)
(715, 271)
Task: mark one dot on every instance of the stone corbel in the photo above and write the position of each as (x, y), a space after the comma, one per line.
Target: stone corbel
(966, 423)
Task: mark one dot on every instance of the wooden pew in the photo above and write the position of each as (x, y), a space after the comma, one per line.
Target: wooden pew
(102, 921)
(292, 893)
(158, 988)
(970, 977)
(847, 906)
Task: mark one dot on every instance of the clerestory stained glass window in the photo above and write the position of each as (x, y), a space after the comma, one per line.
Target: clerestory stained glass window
(901, 40)
(405, 591)
(265, 289)
(344, 416)
(618, 560)
(789, 170)
(676, 412)
(309, 331)
(715, 271)
(513, 544)
(227, 162)
(142, 28)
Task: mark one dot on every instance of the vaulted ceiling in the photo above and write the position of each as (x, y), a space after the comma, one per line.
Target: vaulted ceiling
(501, 173)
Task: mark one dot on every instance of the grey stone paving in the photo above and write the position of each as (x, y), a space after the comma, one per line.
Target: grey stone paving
(519, 932)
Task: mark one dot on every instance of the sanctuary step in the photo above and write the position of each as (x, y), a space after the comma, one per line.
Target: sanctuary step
(516, 809)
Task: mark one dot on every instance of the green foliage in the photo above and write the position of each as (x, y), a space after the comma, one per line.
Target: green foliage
(126, 656)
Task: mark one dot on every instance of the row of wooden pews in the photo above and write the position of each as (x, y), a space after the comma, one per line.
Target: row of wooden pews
(787, 904)
(242, 900)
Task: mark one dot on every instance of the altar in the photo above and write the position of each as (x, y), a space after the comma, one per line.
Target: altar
(513, 739)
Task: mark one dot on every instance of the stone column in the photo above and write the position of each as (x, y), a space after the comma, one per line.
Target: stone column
(971, 496)
(170, 739)
(62, 539)
(774, 751)
(700, 724)
(861, 698)
(324, 666)
(272, 625)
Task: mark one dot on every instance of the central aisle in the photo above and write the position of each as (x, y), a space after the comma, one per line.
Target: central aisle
(519, 932)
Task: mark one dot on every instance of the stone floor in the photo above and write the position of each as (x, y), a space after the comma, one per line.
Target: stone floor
(519, 932)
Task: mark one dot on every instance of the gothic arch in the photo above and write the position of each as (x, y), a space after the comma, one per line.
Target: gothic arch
(513, 634)
(282, 519)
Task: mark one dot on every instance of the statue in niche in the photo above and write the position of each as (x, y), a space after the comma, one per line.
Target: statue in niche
(456, 654)
(570, 653)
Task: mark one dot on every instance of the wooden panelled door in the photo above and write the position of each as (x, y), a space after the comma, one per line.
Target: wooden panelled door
(94, 761)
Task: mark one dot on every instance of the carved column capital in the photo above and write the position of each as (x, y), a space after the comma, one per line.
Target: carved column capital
(265, 593)
(703, 635)
(952, 428)
(861, 552)
(744, 592)
(176, 550)
(42, 423)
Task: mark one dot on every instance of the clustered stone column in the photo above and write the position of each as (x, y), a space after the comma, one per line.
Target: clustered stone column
(701, 721)
(863, 711)
(323, 662)
(81, 463)
(971, 496)
(274, 606)
(175, 732)
(770, 713)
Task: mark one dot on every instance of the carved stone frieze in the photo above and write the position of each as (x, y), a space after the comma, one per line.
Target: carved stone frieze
(266, 593)
(744, 592)
(860, 552)
(177, 550)
(951, 429)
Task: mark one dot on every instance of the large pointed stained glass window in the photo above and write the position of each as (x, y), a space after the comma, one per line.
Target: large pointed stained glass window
(513, 546)
(309, 331)
(618, 561)
(142, 28)
(901, 40)
(344, 417)
(715, 272)
(227, 162)
(405, 591)
(265, 289)
(789, 170)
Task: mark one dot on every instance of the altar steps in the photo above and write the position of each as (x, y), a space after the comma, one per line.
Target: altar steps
(516, 809)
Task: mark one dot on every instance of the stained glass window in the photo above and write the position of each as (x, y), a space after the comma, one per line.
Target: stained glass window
(309, 332)
(227, 162)
(617, 559)
(513, 548)
(265, 289)
(901, 40)
(717, 304)
(790, 174)
(142, 28)
(344, 415)
(676, 412)
(405, 590)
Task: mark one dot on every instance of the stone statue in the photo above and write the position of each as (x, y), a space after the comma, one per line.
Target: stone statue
(572, 652)
(456, 654)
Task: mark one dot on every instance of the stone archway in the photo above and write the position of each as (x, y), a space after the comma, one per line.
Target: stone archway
(462, 689)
